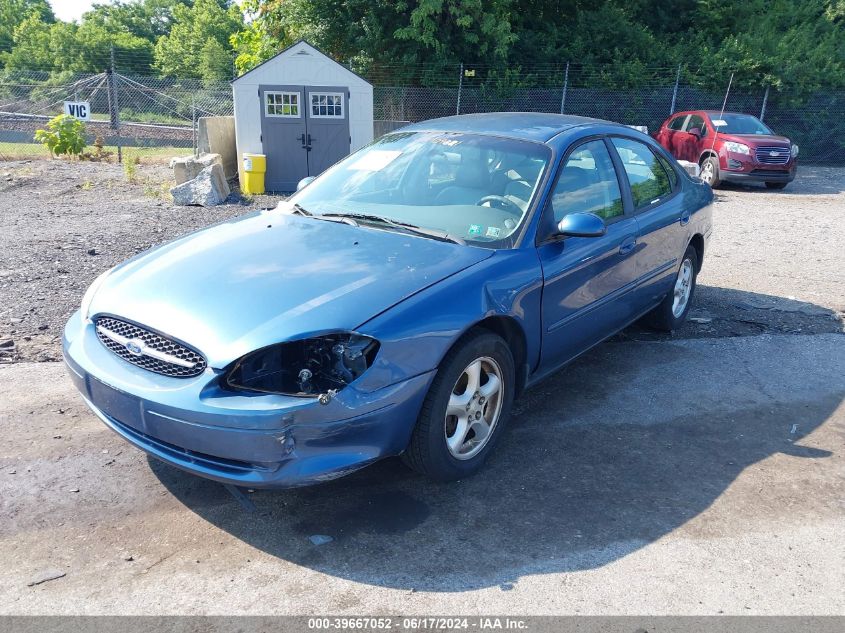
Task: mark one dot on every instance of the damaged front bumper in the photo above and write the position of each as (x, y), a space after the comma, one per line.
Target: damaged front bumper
(242, 439)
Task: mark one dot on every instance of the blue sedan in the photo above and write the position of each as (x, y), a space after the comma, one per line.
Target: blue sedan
(396, 305)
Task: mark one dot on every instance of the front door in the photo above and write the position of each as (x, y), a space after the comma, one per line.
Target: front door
(586, 278)
(284, 136)
(304, 131)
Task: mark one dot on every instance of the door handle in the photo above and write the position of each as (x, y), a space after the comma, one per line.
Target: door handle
(684, 217)
(627, 246)
(301, 138)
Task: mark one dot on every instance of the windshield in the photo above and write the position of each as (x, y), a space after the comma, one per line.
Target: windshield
(740, 124)
(471, 187)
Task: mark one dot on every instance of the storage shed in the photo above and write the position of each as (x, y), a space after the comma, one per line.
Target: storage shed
(304, 111)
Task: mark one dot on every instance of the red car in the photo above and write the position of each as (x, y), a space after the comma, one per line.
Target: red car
(730, 147)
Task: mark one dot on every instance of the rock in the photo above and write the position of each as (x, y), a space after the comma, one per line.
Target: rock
(74, 490)
(186, 168)
(46, 576)
(320, 539)
(128, 558)
(7, 343)
(43, 327)
(209, 188)
(16, 320)
(701, 319)
(92, 251)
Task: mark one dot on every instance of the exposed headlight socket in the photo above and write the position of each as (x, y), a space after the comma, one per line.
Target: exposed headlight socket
(319, 366)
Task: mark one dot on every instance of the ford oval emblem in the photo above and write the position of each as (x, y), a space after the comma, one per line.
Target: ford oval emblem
(135, 346)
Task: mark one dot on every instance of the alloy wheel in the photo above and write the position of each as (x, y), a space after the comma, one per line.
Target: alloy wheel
(474, 408)
(683, 289)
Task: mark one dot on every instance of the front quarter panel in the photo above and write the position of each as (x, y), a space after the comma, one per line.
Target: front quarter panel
(418, 332)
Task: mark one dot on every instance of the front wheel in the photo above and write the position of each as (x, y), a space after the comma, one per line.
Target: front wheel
(465, 410)
(710, 171)
(673, 310)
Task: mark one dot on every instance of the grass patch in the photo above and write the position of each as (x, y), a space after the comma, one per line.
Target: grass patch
(23, 151)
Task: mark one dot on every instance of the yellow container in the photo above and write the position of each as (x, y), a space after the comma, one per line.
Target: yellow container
(255, 166)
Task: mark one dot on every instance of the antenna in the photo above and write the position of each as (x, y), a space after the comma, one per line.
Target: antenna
(722, 113)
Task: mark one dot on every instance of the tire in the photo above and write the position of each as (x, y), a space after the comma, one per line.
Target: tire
(710, 171)
(429, 450)
(669, 315)
(776, 185)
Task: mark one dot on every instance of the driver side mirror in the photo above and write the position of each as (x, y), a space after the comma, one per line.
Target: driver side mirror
(581, 225)
(304, 182)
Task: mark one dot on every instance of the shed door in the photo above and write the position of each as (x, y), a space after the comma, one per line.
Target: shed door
(283, 135)
(327, 137)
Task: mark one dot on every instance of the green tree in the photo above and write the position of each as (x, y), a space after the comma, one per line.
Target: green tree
(13, 12)
(206, 27)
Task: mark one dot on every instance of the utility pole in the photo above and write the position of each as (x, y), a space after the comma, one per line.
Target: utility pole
(565, 85)
(114, 105)
(675, 91)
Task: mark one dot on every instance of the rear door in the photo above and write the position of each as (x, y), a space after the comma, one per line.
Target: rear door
(327, 136)
(654, 185)
(283, 133)
(586, 278)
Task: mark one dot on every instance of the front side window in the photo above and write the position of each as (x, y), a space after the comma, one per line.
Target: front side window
(697, 123)
(475, 187)
(588, 184)
(281, 104)
(649, 181)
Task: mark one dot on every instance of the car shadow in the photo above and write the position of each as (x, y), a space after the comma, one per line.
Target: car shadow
(603, 458)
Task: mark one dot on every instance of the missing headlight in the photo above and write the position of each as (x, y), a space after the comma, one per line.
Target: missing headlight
(304, 368)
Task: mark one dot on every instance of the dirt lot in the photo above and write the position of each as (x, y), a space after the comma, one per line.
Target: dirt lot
(695, 474)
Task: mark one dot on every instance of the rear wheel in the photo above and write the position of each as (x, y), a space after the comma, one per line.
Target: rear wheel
(465, 410)
(673, 310)
(710, 171)
(776, 185)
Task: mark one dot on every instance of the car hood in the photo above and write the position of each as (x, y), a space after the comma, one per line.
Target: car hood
(268, 277)
(755, 140)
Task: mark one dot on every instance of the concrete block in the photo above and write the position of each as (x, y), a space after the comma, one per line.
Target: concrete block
(209, 188)
(691, 168)
(216, 135)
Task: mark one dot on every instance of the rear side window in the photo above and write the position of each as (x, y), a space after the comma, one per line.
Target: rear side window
(588, 184)
(678, 122)
(649, 180)
(673, 175)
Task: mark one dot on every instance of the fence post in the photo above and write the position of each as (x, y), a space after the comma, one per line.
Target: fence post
(675, 91)
(765, 100)
(194, 123)
(460, 87)
(114, 105)
(565, 85)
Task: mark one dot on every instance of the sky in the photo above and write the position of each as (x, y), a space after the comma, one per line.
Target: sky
(71, 9)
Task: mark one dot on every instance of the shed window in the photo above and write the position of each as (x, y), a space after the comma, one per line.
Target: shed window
(326, 105)
(284, 104)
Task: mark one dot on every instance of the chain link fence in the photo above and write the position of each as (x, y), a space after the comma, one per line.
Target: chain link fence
(159, 115)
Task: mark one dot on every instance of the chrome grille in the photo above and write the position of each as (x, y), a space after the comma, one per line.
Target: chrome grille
(773, 155)
(148, 350)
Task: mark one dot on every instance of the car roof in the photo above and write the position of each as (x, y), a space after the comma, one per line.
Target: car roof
(530, 126)
(708, 113)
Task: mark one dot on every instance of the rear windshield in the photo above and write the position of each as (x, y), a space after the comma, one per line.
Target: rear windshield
(740, 124)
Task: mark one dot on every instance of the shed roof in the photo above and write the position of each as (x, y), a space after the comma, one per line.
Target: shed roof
(290, 50)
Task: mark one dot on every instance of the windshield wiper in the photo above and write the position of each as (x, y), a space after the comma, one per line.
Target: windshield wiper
(442, 236)
(300, 210)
